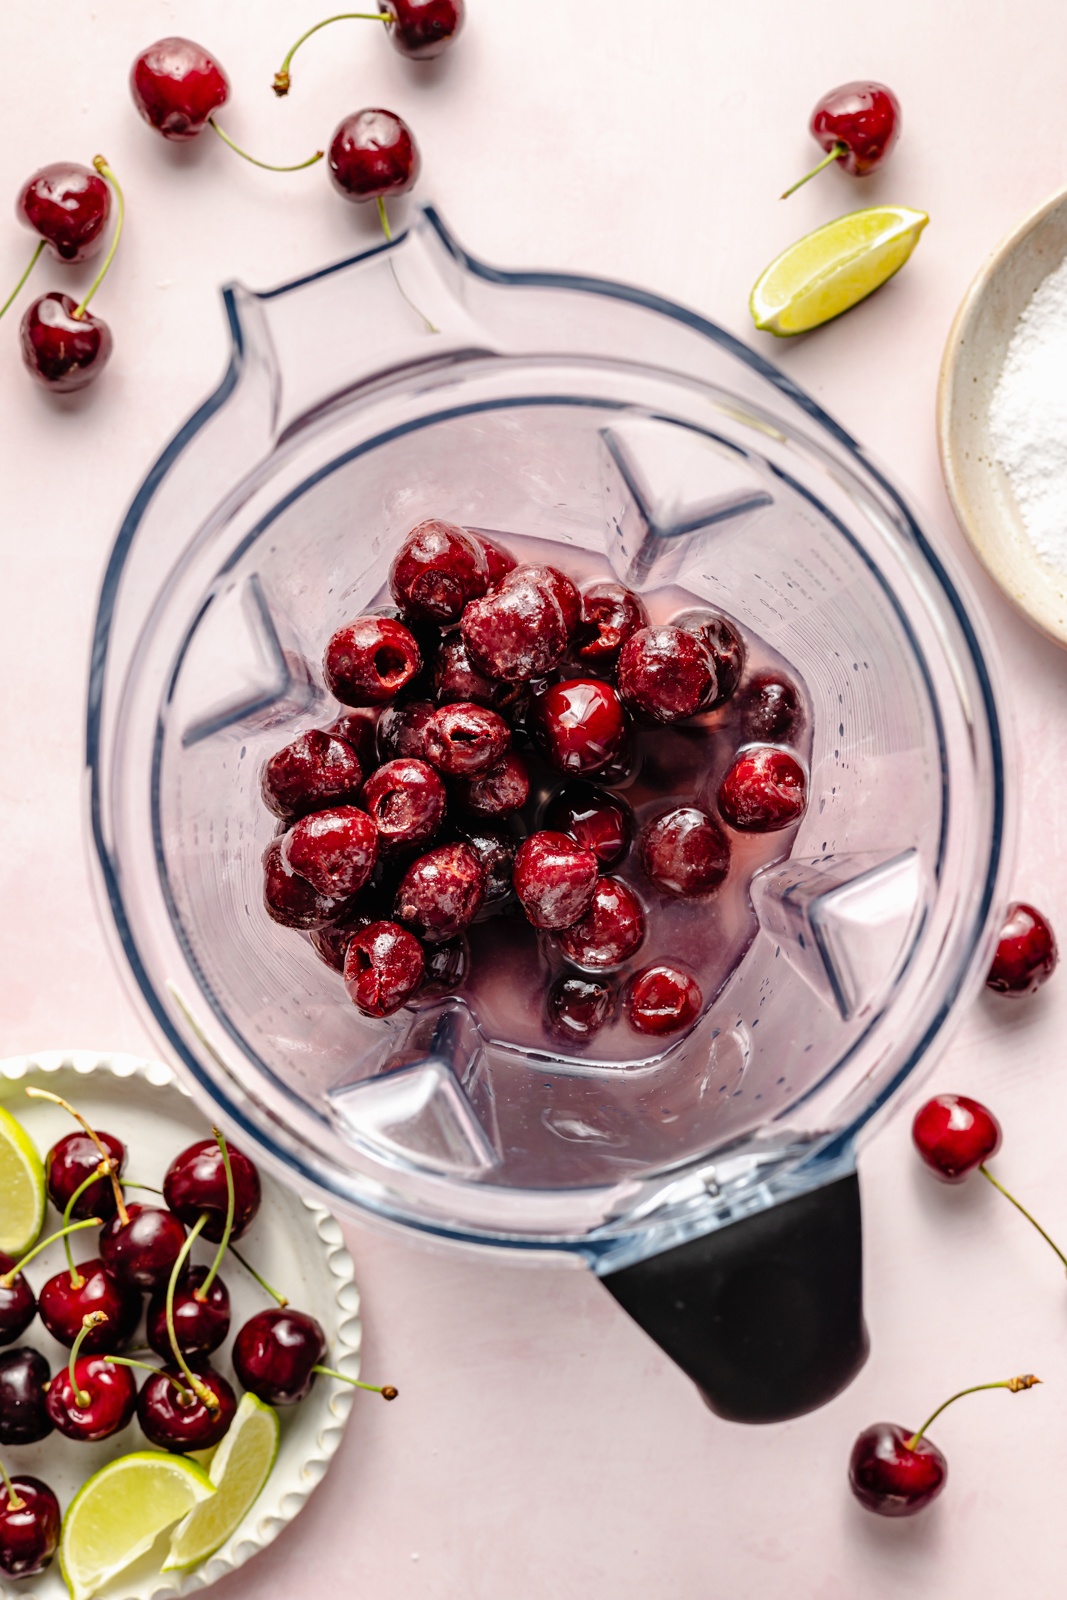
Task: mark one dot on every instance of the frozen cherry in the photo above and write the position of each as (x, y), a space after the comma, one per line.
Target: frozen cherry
(666, 673)
(954, 1135)
(498, 560)
(438, 568)
(580, 725)
(369, 661)
(98, 1404)
(725, 646)
(359, 728)
(402, 731)
(67, 1299)
(685, 853)
(200, 1325)
(466, 740)
(610, 932)
(504, 788)
(29, 1525)
(18, 1305)
(421, 29)
(384, 966)
(611, 614)
(62, 351)
(600, 822)
(857, 125)
(763, 791)
(406, 799)
(516, 632)
(142, 1250)
(72, 1160)
(195, 1183)
(496, 852)
(275, 1355)
(333, 850)
(554, 878)
(289, 898)
(662, 999)
(314, 771)
(455, 677)
(373, 154)
(770, 710)
(331, 942)
(173, 1417)
(559, 586)
(68, 205)
(24, 1380)
(1026, 952)
(177, 87)
(441, 892)
(579, 1007)
(447, 965)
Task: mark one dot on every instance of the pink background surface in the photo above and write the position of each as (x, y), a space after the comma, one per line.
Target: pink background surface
(542, 1445)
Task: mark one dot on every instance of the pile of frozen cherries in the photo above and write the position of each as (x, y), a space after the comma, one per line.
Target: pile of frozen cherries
(410, 816)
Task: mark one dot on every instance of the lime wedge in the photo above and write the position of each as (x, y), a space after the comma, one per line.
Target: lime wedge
(21, 1188)
(239, 1470)
(835, 267)
(120, 1512)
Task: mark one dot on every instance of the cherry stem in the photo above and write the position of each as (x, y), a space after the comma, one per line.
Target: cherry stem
(201, 1390)
(146, 1366)
(386, 1391)
(263, 1284)
(128, 1183)
(105, 172)
(268, 166)
(840, 149)
(14, 1500)
(15, 291)
(74, 1227)
(56, 1099)
(1016, 1385)
(282, 80)
(102, 1171)
(383, 218)
(201, 1294)
(984, 1170)
(94, 1319)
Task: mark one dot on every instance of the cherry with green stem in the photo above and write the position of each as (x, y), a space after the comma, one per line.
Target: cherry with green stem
(91, 1398)
(30, 1521)
(18, 1303)
(199, 1388)
(11, 1273)
(185, 1396)
(90, 1154)
(419, 29)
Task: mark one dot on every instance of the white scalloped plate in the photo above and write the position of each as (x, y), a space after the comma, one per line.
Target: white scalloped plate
(295, 1243)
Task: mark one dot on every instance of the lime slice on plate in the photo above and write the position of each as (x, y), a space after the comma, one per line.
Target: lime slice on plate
(120, 1512)
(835, 267)
(21, 1188)
(240, 1468)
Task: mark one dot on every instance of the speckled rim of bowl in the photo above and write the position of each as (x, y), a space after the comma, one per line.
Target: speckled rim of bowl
(977, 485)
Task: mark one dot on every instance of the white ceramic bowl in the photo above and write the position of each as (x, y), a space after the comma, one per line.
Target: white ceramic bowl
(295, 1243)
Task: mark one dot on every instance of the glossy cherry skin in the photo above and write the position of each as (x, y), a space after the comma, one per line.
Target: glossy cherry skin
(464, 740)
(437, 569)
(195, 1182)
(331, 943)
(70, 1161)
(62, 351)
(62, 1308)
(662, 999)
(554, 878)
(888, 1478)
(610, 615)
(770, 710)
(498, 560)
(503, 789)
(1026, 953)
(359, 728)
(172, 1424)
(18, 1305)
(422, 29)
(441, 893)
(685, 853)
(609, 932)
(406, 800)
(333, 850)
(496, 852)
(577, 1008)
(112, 1396)
(373, 154)
(763, 791)
(666, 673)
(315, 771)
(559, 586)
(447, 966)
(29, 1532)
(862, 117)
(599, 821)
(579, 726)
(517, 632)
(176, 86)
(368, 662)
(200, 1325)
(954, 1135)
(384, 967)
(726, 648)
(68, 205)
(141, 1252)
(275, 1354)
(402, 731)
(24, 1377)
(289, 899)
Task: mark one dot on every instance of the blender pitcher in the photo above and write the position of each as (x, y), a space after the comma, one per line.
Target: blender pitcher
(709, 1181)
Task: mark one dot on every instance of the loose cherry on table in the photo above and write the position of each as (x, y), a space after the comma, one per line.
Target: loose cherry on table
(857, 125)
(173, 1417)
(68, 206)
(91, 1398)
(1026, 953)
(894, 1472)
(277, 1356)
(24, 1381)
(419, 29)
(29, 1525)
(373, 156)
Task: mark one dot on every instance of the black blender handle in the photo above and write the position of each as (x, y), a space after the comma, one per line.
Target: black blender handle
(765, 1314)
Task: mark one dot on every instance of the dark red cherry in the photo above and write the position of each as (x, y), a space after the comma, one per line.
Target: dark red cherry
(554, 878)
(496, 851)
(373, 154)
(29, 1526)
(402, 731)
(275, 1355)
(662, 999)
(195, 1182)
(200, 1325)
(456, 678)
(70, 1161)
(725, 646)
(179, 1420)
(142, 1251)
(503, 789)
(1026, 952)
(406, 800)
(763, 791)
(422, 29)
(579, 725)
(498, 560)
(559, 586)
(63, 1307)
(441, 892)
(24, 1380)
(438, 568)
(333, 850)
(600, 822)
(18, 1305)
(516, 632)
(315, 771)
(60, 350)
(954, 1135)
(176, 86)
(609, 933)
(611, 614)
(359, 728)
(102, 1404)
(860, 122)
(770, 710)
(891, 1478)
(666, 674)
(465, 740)
(331, 942)
(369, 661)
(447, 966)
(384, 966)
(288, 897)
(685, 853)
(68, 205)
(579, 1007)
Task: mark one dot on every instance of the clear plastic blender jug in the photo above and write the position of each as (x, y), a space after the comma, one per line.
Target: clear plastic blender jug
(710, 1183)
